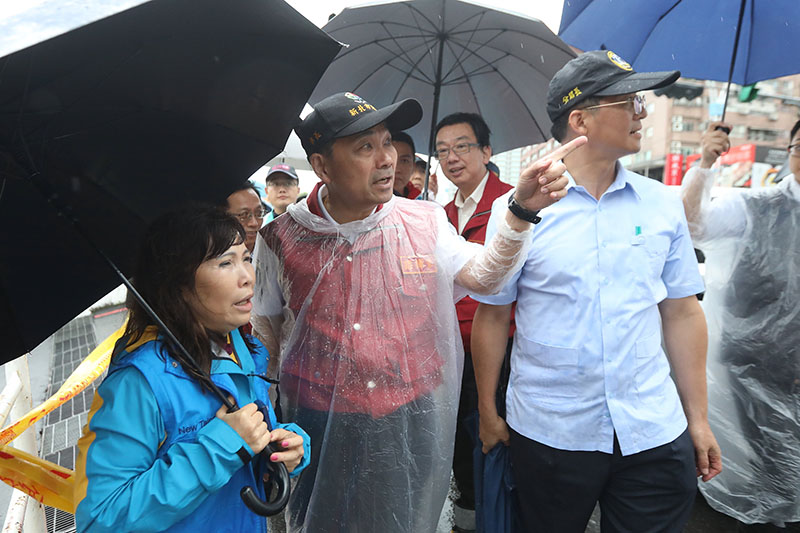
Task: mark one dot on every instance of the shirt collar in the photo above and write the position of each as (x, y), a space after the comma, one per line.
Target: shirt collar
(620, 181)
(476, 194)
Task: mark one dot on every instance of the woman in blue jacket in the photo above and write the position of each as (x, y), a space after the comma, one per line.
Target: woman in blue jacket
(160, 452)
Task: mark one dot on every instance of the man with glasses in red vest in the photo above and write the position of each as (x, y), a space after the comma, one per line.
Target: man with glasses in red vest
(463, 150)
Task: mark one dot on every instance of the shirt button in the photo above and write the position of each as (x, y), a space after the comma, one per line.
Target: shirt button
(174, 364)
(604, 245)
(356, 326)
(371, 384)
(349, 258)
(423, 287)
(606, 281)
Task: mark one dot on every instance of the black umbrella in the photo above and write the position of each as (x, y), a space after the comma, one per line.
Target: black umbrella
(119, 119)
(451, 56)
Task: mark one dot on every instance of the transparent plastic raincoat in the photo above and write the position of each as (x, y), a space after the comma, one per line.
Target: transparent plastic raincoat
(752, 303)
(371, 356)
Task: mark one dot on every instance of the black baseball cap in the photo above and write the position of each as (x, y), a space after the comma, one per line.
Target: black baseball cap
(599, 73)
(344, 114)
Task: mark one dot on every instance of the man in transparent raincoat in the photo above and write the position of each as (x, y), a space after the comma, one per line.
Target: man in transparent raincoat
(752, 244)
(356, 287)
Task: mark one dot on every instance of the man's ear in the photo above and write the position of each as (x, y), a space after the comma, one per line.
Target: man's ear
(487, 154)
(577, 121)
(319, 166)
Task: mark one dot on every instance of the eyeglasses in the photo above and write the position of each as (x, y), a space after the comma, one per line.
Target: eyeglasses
(258, 214)
(281, 183)
(460, 148)
(638, 104)
(794, 149)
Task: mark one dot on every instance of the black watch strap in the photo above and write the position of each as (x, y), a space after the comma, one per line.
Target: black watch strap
(522, 213)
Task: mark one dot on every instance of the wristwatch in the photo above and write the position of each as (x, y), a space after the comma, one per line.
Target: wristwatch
(520, 212)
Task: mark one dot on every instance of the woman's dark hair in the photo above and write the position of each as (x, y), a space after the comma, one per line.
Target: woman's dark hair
(172, 249)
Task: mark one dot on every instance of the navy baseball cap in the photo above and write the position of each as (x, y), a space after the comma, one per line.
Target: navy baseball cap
(599, 73)
(282, 168)
(345, 114)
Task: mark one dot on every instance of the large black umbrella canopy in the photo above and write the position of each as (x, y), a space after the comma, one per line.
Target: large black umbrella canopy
(119, 119)
(452, 56)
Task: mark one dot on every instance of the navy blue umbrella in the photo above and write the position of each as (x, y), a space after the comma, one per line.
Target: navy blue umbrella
(495, 500)
(741, 41)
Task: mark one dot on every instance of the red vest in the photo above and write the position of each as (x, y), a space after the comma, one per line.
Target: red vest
(475, 231)
(363, 311)
(409, 191)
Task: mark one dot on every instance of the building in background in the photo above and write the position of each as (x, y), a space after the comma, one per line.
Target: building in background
(510, 165)
(671, 132)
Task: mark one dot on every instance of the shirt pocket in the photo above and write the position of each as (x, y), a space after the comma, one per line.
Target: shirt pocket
(652, 369)
(549, 373)
(645, 264)
(656, 248)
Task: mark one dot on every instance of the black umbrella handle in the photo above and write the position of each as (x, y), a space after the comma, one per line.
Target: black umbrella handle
(278, 479)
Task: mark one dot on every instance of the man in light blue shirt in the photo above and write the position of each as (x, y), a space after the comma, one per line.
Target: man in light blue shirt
(593, 414)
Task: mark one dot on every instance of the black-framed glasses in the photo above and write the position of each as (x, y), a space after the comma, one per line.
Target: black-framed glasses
(460, 148)
(258, 214)
(638, 101)
(794, 149)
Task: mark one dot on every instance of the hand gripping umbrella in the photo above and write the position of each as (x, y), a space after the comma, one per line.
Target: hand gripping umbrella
(452, 56)
(742, 41)
(123, 110)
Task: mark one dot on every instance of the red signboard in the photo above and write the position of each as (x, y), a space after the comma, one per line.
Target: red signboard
(739, 154)
(690, 159)
(673, 169)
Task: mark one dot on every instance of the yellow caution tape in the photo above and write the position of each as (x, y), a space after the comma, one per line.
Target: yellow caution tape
(89, 370)
(42, 480)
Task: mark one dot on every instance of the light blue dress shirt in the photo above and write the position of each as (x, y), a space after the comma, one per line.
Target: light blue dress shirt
(587, 358)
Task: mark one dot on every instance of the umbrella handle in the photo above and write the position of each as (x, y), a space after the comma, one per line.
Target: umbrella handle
(278, 479)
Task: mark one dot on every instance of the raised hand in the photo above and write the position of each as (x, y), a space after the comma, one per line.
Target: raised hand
(543, 183)
(713, 143)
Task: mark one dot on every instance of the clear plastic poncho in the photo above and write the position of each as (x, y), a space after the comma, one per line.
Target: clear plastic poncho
(371, 359)
(752, 305)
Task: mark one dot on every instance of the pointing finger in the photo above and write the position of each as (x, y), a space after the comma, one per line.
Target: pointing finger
(565, 149)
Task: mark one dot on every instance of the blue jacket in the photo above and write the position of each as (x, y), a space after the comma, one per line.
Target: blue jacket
(154, 457)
